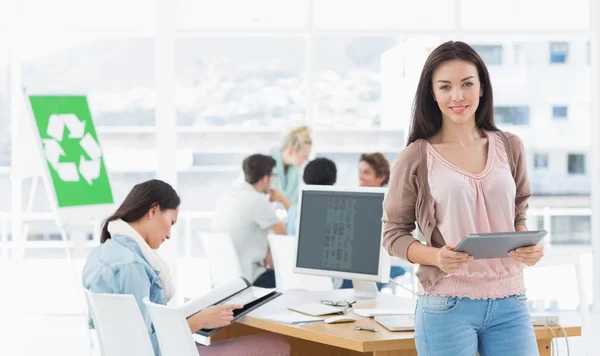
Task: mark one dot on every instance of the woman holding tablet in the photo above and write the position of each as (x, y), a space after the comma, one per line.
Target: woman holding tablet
(460, 175)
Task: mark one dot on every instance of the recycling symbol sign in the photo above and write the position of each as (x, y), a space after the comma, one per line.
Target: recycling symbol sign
(71, 150)
(71, 171)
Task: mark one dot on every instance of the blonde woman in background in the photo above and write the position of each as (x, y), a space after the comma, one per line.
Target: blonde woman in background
(294, 151)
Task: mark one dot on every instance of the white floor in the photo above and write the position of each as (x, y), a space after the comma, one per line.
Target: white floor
(43, 313)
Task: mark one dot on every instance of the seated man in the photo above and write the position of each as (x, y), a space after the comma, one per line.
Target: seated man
(320, 171)
(246, 214)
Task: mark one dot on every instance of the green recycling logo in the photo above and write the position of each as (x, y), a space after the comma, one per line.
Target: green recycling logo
(53, 151)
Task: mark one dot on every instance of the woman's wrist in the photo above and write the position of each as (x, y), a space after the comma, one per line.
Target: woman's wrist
(421, 254)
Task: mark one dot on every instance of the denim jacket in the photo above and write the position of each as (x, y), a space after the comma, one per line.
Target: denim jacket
(118, 266)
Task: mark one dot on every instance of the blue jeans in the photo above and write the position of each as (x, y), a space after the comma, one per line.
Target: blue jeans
(451, 326)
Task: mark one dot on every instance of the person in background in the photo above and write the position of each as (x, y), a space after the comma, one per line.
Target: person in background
(246, 214)
(320, 171)
(126, 262)
(373, 170)
(294, 151)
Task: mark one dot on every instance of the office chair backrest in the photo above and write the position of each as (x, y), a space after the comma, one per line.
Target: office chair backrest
(120, 325)
(172, 330)
(91, 312)
(223, 260)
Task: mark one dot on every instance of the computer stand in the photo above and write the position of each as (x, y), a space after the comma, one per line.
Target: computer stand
(364, 290)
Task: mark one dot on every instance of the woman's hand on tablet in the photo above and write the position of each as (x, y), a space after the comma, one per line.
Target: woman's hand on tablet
(450, 261)
(529, 255)
(217, 316)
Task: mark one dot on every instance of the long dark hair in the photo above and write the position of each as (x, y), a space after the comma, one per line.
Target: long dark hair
(426, 115)
(141, 198)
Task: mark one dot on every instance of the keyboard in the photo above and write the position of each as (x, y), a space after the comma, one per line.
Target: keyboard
(316, 309)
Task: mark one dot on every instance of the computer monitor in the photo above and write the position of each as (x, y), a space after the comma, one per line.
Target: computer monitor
(339, 233)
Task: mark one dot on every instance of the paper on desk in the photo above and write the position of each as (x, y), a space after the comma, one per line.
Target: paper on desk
(368, 313)
(291, 318)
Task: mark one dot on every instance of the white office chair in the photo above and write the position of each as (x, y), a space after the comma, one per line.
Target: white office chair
(282, 250)
(223, 260)
(120, 325)
(98, 334)
(172, 330)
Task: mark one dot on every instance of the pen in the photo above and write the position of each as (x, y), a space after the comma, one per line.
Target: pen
(365, 329)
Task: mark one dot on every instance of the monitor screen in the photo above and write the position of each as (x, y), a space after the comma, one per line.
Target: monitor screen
(340, 231)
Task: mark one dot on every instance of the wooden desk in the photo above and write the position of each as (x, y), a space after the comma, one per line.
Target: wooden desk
(341, 339)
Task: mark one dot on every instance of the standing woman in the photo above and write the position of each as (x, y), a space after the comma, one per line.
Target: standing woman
(294, 151)
(126, 263)
(460, 175)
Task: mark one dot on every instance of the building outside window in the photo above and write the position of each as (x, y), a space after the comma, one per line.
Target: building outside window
(559, 52)
(540, 160)
(560, 112)
(576, 163)
(491, 54)
(587, 48)
(512, 115)
(571, 229)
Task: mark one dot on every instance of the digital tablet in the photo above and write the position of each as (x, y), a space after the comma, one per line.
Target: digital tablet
(498, 244)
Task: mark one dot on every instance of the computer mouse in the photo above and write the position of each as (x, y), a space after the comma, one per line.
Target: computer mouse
(339, 319)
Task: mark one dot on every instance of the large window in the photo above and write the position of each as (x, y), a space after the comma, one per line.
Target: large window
(115, 72)
(347, 82)
(240, 82)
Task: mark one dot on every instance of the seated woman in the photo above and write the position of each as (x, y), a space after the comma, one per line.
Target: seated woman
(126, 263)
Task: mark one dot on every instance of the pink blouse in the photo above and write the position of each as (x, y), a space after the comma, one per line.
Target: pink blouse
(468, 203)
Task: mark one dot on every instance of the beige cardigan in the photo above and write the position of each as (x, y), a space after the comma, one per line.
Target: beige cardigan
(409, 200)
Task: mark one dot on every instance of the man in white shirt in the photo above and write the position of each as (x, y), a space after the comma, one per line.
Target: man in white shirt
(246, 214)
